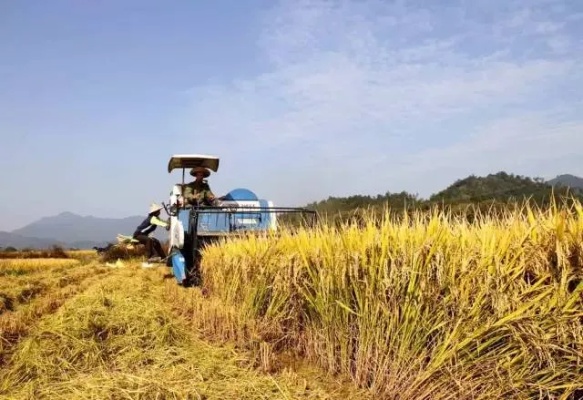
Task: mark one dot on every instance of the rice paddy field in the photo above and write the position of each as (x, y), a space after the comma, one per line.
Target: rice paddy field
(419, 306)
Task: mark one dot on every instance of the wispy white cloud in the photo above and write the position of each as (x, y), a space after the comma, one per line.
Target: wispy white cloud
(369, 96)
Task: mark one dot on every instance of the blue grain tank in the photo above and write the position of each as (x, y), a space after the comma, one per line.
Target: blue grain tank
(249, 213)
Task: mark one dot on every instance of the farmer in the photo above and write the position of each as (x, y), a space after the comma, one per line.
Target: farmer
(149, 225)
(199, 191)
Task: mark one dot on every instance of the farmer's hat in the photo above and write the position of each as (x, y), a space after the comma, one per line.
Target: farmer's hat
(154, 208)
(205, 171)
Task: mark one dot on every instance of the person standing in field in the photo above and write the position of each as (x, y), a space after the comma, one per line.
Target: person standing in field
(199, 191)
(149, 225)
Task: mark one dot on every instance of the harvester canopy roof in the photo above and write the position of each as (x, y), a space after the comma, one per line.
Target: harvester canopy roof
(193, 161)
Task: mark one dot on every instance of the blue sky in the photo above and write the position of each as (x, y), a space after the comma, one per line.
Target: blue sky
(301, 99)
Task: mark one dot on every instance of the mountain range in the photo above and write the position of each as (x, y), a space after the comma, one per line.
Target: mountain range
(75, 231)
(72, 231)
(568, 180)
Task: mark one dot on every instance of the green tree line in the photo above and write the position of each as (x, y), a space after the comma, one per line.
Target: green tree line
(494, 192)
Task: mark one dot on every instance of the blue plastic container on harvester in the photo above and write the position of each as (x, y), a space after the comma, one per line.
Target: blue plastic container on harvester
(179, 266)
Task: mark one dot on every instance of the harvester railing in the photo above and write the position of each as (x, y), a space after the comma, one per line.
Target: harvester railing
(285, 216)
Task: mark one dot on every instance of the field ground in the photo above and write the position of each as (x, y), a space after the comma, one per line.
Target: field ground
(429, 306)
(84, 330)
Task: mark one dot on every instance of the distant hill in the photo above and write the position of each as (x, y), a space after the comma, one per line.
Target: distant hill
(68, 227)
(8, 239)
(567, 180)
(500, 186)
(72, 230)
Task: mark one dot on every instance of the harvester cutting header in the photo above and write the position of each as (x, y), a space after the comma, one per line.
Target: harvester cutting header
(198, 217)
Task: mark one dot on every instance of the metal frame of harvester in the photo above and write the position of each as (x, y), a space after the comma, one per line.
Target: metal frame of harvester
(239, 213)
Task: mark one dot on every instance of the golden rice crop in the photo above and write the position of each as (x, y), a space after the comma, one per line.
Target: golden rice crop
(426, 306)
(23, 266)
(24, 298)
(119, 339)
(52, 252)
(82, 255)
(84, 252)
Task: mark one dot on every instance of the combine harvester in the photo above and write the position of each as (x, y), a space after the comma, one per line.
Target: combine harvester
(240, 212)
